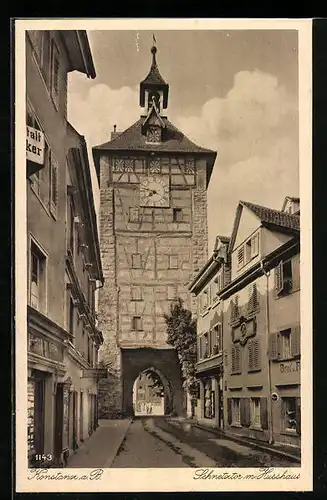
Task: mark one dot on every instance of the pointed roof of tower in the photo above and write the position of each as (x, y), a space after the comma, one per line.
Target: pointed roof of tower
(154, 77)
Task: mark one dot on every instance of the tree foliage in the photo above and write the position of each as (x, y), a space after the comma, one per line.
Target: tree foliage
(156, 382)
(181, 333)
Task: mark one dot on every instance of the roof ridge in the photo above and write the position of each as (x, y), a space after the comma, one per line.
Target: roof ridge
(118, 136)
(194, 144)
(246, 203)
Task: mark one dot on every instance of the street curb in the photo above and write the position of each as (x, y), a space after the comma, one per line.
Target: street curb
(109, 462)
(278, 453)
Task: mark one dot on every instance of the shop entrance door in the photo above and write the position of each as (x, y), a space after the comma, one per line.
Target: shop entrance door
(74, 420)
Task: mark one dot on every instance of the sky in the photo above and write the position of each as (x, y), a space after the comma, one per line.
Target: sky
(235, 92)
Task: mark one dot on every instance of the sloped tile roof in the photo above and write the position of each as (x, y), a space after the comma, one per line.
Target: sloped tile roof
(154, 77)
(274, 217)
(132, 139)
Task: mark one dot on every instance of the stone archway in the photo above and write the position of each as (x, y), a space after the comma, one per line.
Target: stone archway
(162, 361)
(167, 406)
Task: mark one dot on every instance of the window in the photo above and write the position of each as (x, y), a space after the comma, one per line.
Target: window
(209, 401)
(234, 308)
(134, 214)
(173, 261)
(171, 292)
(205, 340)
(236, 411)
(240, 257)
(255, 412)
(217, 339)
(71, 226)
(254, 356)
(252, 247)
(53, 185)
(136, 292)
(253, 301)
(41, 44)
(291, 415)
(89, 351)
(136, 323)
(177, 215)
(37, 278)
(283, 278)
(136, 261)
(55, 74)
(204, 300)
(285, 344)
(236, 360)
(71, 318)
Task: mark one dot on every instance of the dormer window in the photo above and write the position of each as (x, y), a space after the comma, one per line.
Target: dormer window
(153, 134)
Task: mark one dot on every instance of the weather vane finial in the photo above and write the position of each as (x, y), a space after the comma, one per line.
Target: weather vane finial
(154, 39)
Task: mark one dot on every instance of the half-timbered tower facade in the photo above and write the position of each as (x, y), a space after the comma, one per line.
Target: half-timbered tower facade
(153, 237)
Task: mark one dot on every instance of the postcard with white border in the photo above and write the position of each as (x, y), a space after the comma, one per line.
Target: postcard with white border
(163, 294)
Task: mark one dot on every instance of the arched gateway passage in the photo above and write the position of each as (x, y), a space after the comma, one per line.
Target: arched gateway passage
(152, 394)
(164, 363)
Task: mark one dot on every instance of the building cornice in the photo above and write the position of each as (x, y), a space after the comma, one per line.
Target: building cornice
(43, 324)
(268, 262)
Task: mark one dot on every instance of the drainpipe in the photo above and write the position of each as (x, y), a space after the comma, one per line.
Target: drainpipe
(270, 416)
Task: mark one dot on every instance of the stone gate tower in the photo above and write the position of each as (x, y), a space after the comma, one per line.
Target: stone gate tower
(153, 238)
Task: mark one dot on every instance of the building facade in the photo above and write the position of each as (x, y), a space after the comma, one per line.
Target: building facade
(248, 327)
(262, 326)
(207, 284)
(153, 231)
(64, 264)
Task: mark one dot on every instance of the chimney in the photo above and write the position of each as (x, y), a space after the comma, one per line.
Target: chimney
(291, 205)
(114, 134)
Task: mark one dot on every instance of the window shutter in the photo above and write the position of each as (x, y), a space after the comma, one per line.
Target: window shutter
(298, 415)
(255, 296)
(53, 184)
(229, 410)
(264, 413)
(238, 360)
(296, 273)
(273, 346)
(55, 74)
(250, 356)
(256, 354)
(233, 359)
(296, 341)
(250, 300)
(255, 245)
(247, 412)
(240, 257)
(226, 276)
(279, 278)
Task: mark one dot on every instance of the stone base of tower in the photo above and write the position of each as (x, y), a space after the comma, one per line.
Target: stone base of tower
(116, 392)
(110, 398)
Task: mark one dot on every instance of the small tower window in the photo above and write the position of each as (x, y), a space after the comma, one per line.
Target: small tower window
(177, 215)
(154, 97)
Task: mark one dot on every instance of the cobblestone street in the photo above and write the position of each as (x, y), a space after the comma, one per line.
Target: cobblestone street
(159, 442)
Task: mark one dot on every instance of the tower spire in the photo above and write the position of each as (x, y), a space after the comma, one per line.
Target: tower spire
(153, 84)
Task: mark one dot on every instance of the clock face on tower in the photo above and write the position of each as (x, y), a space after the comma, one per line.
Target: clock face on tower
(154, 191)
